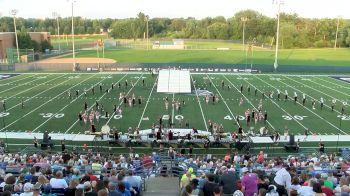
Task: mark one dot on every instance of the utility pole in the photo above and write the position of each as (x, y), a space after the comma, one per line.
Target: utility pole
(14, 13)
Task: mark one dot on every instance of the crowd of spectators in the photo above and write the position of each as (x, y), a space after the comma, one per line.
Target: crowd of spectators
(72, 174)
(253, 175)
(230, 175)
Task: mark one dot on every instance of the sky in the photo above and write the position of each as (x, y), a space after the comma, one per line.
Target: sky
(173, 8)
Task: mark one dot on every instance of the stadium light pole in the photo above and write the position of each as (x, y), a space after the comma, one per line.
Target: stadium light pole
(146, 20)
(14, 13)
(56, 16)
(279, 2)
(73, 44)
(336, 34)
(244, 20)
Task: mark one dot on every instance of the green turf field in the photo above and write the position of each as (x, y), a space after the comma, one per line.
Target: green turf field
(326, 57)
(48, 107)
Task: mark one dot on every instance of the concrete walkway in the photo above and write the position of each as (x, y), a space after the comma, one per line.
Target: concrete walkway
(162, 186)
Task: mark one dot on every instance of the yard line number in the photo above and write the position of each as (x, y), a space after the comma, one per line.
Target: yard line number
(50, 115)
(3, 114)
(296, 117)
(342, 117)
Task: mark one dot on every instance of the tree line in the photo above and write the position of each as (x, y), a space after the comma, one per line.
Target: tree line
(295, 31)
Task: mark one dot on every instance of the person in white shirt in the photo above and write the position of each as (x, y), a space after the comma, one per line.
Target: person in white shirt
(58, 182)
(295, 97)
(307, 190)
(285, 95)
(304, 99)
(321, 102)
(283, 180)
(28, 189)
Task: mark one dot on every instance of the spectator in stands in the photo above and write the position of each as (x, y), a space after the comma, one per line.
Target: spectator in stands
(134, 181)
(210, 185)
(307, 190)
(112, 189)
(123, 190)
(71, 188)
(121, 179)
(36, 189)
(187, 190)
(295, 184)
(76, 174)
(44, 182)
(99, 186)
(137, 164)
(325, 190)
(96, 167)
(317, 189)
(262, 182)
(88, 189)
(262, 192)
(58, 182)
(28, 189)
(186, 178)
(249, 182)
(261, 158)
(228, 181)
(343, 187)
(102, 192)
(283, 180)
(91, 175)
(171, 153)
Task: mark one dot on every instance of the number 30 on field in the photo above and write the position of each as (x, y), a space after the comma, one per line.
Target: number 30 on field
(51, 115)
(296, 117)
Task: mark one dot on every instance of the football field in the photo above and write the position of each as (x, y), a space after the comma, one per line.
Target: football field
(40, 102)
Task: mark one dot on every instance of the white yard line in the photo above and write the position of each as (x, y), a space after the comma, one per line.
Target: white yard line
(277, 105)
(20, 85)
(110, 118)
(334, 83)
(346, 94)
(307, 109)
(144, 110)
(29, 98)
(310, 95)
(92, 105)
(81, 94)
(247, 100)
(45, 103)
(14, 77)
(200, 106)
(223, 100)
(32, 87)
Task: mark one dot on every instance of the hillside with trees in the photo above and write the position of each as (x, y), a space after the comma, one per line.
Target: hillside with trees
(296, 32)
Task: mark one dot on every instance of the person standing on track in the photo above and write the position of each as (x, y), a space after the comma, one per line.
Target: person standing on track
(304, 99)
(248, 90)
(222, 84)
(278, 94)
(241, 88)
